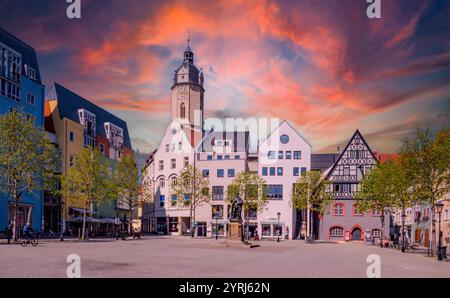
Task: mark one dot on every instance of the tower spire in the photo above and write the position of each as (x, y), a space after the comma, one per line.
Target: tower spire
(188, 54)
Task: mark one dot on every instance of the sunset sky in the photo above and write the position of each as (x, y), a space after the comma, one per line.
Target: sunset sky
(322, 65)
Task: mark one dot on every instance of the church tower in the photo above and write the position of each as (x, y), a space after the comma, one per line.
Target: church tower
(187, 97)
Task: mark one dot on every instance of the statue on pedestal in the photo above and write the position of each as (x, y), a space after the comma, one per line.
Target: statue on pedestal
(236, 209)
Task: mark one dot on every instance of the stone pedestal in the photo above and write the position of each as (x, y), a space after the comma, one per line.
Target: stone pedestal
(235, 232)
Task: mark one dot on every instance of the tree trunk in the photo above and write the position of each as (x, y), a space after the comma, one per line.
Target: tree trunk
(129, 216)
(15, 229)
(382, 229)
(84, 224)
(433, 232)
(247, 229)
(191, 223)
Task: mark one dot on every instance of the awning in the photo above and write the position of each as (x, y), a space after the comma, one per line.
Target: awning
(89, 219)
(108, 220)
(83, 210)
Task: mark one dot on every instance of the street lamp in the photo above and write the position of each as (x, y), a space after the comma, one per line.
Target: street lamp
(278, 215)
(403, 230)
(439, 207)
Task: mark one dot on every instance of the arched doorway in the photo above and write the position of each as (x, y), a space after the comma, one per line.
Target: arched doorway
(356, 234)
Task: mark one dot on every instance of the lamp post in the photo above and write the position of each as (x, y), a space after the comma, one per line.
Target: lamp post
(403, 230)
(439, 207)
(278, 232)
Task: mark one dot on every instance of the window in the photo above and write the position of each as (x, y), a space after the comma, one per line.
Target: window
(230, 172)
(71, 136)
(219, 157)
(182, 111)
(186, 161)
(345, 187)
(336, 232)
(279, 171)
(180, 146)
(162, 183)
(368, 169)
(296, 171)
(357, 211)
(227, 157)
(336, 187)
(209, 157)
(205, 173)
(274, 191)
(217, 210)
(297, 154)
(266, 230)
(173, 163)
(174, 200)
(376, 212)
(303, 170)
(271, 155)
(71, 160)
(186, 199)
(161, 165)
(252, 214)
(284, 139)
(272, 171)
(30, 99)
(264, 171)
(339, 209)
(220, 173)
(237, 157)
(161, 200)
(101, 148)
(288, 154)
(346, 170)
(376, 233)
(167, 148)
(280, 154)
(217, 193)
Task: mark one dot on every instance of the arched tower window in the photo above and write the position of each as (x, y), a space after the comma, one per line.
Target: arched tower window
(182, 111)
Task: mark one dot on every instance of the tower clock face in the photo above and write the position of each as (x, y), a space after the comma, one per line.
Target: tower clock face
(183, 93)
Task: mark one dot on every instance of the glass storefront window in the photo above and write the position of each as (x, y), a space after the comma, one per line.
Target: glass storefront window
(173, 224)
(277, 230)
(220, 229)
(265, 230)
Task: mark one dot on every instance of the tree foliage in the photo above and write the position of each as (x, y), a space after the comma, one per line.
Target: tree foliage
(89, 181)
(250, 187)
(191, 190)
(312, 191)
(28, 160)
(127, 182)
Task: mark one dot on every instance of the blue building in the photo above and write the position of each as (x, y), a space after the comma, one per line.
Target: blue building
(21, 88)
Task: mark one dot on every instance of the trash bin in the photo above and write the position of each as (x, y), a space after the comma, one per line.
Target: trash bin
(123, 235)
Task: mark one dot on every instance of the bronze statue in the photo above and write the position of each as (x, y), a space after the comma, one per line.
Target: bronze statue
(236, 208)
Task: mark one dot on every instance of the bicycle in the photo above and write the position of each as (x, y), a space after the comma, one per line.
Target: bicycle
(33, 240)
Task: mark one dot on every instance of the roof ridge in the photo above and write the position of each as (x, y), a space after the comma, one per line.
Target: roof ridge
(16, 38)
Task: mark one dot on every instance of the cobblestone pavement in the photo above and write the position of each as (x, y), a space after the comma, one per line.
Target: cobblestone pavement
(186, 257)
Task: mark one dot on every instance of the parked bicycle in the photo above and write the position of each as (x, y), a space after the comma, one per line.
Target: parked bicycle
(32, 239)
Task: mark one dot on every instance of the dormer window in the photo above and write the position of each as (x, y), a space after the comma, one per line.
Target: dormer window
(114, 135)
(89, 122)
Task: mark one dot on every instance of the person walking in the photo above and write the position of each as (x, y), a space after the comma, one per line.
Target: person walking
(9, 232)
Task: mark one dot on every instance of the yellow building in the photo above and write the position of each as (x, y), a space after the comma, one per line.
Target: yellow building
(78, 123)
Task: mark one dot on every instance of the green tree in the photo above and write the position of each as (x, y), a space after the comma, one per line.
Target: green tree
(127, 182)
(374, 193)
(250, 187)
(426, 158)
(28, 161)
(89, 181)
(191, 190)
(312, 192)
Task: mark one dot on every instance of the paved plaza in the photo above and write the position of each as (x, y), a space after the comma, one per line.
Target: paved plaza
(185, 257)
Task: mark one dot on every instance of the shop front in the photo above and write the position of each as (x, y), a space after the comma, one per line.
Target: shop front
(271, 230)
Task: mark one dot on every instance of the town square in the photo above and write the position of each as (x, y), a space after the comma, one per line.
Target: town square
(176, 257)
(239, 139)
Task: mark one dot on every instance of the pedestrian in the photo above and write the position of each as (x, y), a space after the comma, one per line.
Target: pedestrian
(9, 232)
